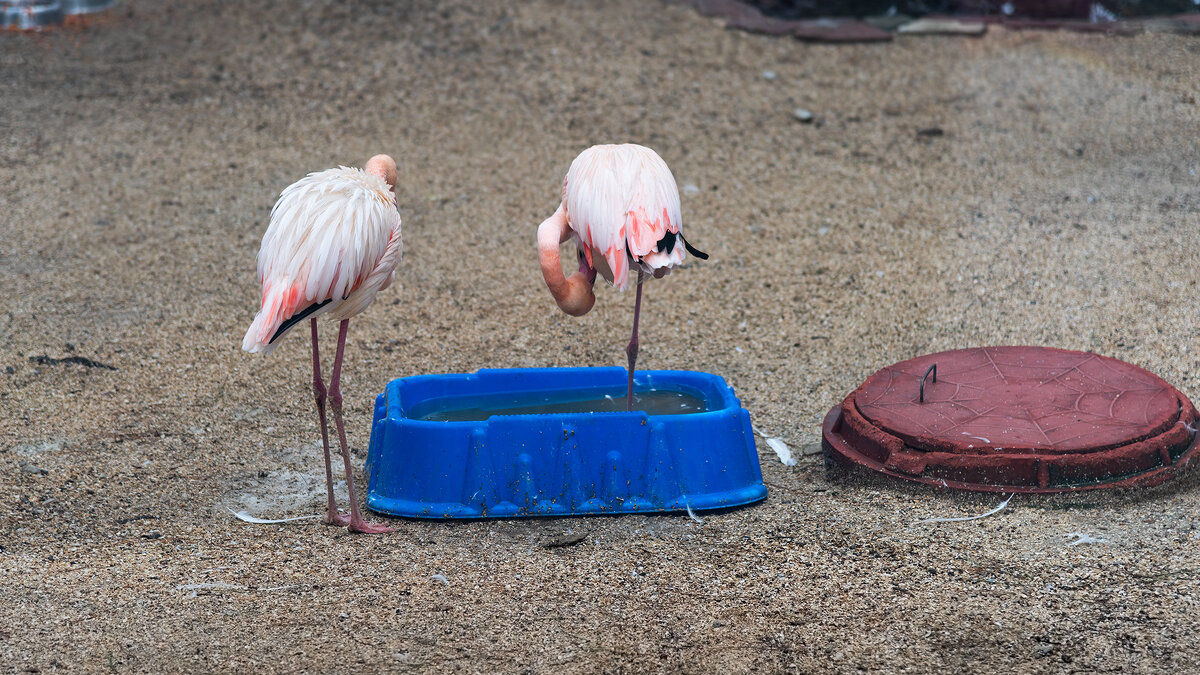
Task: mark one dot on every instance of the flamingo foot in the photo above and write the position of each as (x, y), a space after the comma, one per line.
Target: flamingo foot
(363, 527)
(336, 519)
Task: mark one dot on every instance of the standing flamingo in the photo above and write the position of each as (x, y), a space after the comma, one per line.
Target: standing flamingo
(332, 244)
(621, 206)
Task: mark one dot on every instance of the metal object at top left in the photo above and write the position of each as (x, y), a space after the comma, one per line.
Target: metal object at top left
(35, 15)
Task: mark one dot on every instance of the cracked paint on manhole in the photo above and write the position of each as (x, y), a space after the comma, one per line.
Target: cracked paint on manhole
(1019, 419)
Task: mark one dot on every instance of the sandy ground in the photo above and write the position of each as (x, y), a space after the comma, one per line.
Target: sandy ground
(138, 163)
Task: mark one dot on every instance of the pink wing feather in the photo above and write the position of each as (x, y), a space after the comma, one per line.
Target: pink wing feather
(620, 201)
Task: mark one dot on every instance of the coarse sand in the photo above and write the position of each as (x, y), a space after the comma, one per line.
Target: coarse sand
(139, 159)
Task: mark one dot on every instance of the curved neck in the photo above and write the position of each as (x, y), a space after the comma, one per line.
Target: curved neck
(572, 294)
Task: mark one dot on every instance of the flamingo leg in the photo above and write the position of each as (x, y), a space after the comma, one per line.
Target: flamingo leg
(332, 517)
(631, 350)
(357, 524)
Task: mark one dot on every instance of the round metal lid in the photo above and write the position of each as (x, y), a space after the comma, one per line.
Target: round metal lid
(1016, 419)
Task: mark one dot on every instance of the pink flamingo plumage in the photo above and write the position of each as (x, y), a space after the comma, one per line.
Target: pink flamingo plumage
(333, 243)
(621, 207)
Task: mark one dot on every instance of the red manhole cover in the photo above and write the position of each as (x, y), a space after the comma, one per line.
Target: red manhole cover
(1016, 419)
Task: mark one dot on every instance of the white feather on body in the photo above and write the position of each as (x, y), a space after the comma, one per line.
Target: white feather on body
(334, 235)
(620, 200)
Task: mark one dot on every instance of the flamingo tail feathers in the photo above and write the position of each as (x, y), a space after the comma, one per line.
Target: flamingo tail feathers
(277, 315)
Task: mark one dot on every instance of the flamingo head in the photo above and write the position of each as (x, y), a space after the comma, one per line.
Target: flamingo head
(574, 293)
(384, 167)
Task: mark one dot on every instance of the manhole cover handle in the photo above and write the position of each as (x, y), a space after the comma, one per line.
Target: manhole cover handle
(932, 370)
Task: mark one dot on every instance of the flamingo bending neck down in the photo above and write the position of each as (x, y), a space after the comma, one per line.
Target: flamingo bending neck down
(333, 243)
(621, 207)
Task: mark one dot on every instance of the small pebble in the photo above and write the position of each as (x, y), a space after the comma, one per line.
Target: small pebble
(564, 539)
(30, 468)
(811, 449)
(803, 115)
(769, 75)
(943, 27)
(690, 189)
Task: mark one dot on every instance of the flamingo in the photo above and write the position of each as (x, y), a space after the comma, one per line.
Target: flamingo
(333, 243)
(621, 207)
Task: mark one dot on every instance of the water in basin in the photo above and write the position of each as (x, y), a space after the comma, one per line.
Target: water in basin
(652, 401)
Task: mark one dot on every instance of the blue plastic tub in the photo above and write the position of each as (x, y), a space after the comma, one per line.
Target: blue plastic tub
(560, 464)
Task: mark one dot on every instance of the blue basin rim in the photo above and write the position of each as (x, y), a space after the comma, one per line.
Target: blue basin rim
(565, 464)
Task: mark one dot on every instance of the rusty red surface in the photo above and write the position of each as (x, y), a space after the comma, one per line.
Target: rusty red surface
(1016, 419)
(838, 30)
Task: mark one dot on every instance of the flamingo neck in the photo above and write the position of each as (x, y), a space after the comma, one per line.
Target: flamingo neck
(572, 294)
